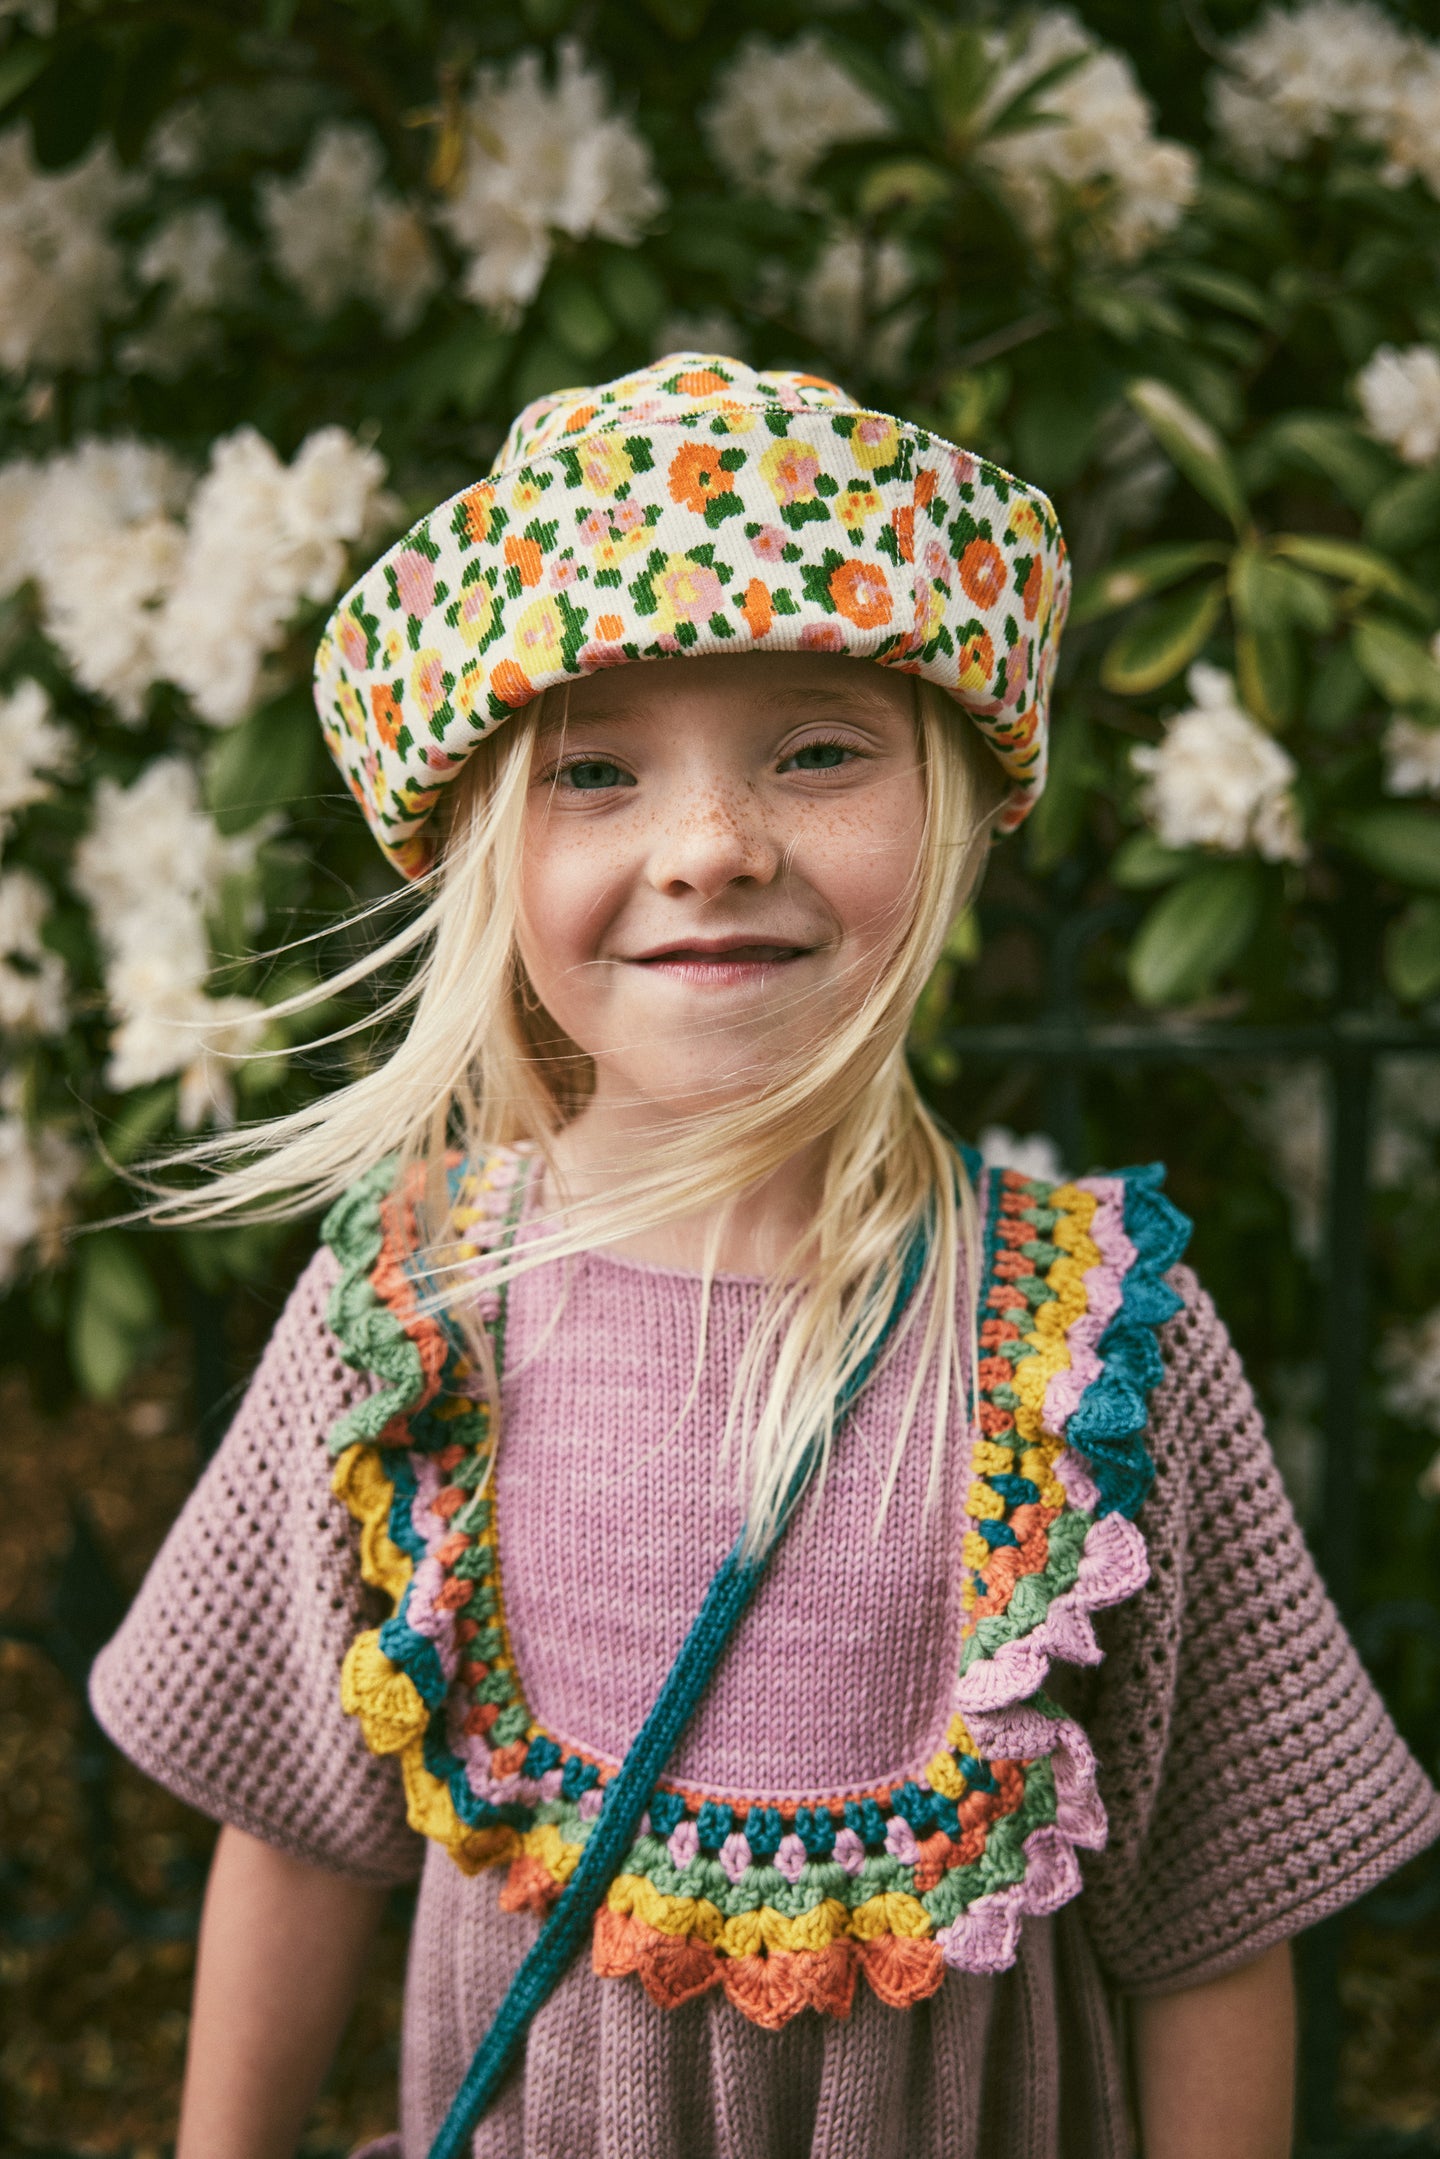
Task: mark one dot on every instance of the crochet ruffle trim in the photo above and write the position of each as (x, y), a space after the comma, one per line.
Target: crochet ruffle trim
(784, 1904)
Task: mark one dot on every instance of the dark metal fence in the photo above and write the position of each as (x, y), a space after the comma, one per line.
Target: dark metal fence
(1065, 1048)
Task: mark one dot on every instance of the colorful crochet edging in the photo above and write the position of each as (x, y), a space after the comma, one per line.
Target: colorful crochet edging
(781, 1904)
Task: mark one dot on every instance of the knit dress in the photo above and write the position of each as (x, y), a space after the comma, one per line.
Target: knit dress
(1230, 1777)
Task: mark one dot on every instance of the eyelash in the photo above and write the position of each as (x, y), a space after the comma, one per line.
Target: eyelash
(580, 759)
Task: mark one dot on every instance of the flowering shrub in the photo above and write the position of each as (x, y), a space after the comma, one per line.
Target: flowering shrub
(266, 293)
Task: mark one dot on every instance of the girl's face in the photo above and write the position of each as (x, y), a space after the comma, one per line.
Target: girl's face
(719, 860)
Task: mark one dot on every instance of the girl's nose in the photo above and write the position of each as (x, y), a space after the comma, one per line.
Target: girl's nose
(711, 844)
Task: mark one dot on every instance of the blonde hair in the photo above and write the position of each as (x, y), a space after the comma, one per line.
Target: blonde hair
(481, 1065)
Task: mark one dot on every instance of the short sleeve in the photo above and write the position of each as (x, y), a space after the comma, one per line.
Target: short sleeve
(223, 1683)
(1253, 1780)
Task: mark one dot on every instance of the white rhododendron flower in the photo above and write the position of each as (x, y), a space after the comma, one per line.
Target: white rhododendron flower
(1399, 395)
(200, 267)
(61, 273)
(33, 750)
(779, 109)
(102, 539)
(262, 538)
(1333, 67)
(37, 1173)
(337, 233)
(1412, 756)
(32, 978)
(1097, 145)
(852, 281)
(152, 868)
(540, 160)
(1034, 1154)
(1410, 1358)
(1216, 779)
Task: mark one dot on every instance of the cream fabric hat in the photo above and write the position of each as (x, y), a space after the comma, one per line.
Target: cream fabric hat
(696, 506)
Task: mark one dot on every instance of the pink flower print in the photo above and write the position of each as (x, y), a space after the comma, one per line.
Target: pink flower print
(937, 561)
(684, 1845)
(563, 572)
(415, 578)
(822, 637)
(686, 591)
(769, 544)
(790, 1858)
(353, 642)
(962, 467)
(1016, 669)
(900, 1841)
(849, 1851)
(626, 516)
(427, 680)
(791, 470)
(735, 1855)
(595, 528)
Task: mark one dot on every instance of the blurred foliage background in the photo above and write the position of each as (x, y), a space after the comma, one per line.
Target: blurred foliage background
(274, 278)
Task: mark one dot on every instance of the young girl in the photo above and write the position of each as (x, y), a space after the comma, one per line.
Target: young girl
(826, 1621)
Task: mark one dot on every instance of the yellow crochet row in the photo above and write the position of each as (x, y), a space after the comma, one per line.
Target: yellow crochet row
(747, 1934)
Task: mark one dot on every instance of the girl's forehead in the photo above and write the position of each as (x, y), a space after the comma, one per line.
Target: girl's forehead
(797, 684)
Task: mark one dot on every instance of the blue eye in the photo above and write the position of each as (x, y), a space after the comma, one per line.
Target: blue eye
(596, 772)
(818, 757)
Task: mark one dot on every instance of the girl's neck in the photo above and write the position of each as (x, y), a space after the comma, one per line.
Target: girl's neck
(752, 1232)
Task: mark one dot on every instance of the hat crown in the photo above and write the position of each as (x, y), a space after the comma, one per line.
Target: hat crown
(681, 384)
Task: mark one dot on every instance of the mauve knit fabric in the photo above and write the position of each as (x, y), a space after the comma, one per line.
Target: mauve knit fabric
(1252, 1778)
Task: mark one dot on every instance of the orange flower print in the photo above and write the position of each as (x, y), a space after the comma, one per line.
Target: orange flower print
(791, 470)
(697, 477)
(822, 637)
(580, 417)
(977, 661)
(388, 716)
(427, 680)
(1034, 586)
(982, 572)
(525, 556)
(925, 486)
(701, 382)
(861, 591)
(903, 522)
(758, 612)
(415, 579)
(512, 684)
(609, 629)
(353, 642)
(478, 508)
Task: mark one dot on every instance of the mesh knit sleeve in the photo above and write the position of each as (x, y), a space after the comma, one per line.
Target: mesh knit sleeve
(1253, 1780)
(223, 1683)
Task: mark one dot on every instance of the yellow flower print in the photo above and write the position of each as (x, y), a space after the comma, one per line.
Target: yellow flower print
(475, 611)
(466, 694)
(538, 635)
(606, 464)
(858, 500)
(427, 680)
(686, 591)
(874, 441)
(392, 648)
(352, 711)
(1025, 523)
(790, 470)
(524, 495)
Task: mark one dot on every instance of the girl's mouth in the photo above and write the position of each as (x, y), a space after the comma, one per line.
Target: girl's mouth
(720, 966)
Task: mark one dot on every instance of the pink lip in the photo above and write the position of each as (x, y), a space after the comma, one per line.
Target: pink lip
(707, 951)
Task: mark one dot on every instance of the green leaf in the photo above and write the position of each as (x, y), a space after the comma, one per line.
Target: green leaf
(1200, 927)
(1400, 841)
(1269, 596)
(1054, 827)
(1339, 692)
(1142, 862)
(1266, 673)
(1191, 444)
(1406, 514)
(456, 372)
(960, 70)
(1127, 312)
(19, 68)
(268, 762)
(1356, 467)
(903, 183)
(1154, 570)
(113, 1315)
(682, 19)
(143, 1117)
(1412, 951)
(1346, 560)
(1222, 289)
(1398, 665)
(1154, 647)
(634, 293)
(577, 317)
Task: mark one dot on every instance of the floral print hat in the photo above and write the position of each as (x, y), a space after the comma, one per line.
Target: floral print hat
(696, 506)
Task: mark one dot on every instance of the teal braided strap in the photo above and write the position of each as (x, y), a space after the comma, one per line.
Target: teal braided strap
(630, 1791)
